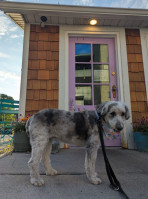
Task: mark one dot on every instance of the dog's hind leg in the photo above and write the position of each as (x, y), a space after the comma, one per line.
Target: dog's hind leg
(38, 148)
(46, 160)
(90, 160)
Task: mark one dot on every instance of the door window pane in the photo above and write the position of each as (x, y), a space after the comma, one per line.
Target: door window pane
(100, 53)
(101, 94)
(83, 95)
(101, 73)
(83, 73)
(82, 52)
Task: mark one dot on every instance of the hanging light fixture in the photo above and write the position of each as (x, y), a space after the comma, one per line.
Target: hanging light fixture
(93, 22)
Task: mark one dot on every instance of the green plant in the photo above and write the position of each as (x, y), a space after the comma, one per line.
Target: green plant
(141, 125)
(19, 124)
(6, 117)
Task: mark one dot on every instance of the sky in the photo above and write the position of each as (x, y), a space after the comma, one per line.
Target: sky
(11, 40)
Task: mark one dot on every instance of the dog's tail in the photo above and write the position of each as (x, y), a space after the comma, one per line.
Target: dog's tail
(28, 123)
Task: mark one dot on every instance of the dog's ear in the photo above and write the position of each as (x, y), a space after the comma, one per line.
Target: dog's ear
(102, 109)
(127, 113)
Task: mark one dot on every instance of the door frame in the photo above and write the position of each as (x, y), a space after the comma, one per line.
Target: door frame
(121, 66)
(111, 62)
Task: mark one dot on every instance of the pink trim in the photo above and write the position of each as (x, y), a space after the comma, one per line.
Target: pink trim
(112, 68)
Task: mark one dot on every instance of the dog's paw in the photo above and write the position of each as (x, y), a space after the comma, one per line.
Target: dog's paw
(51, 172)
(95, 180)
(37, 182)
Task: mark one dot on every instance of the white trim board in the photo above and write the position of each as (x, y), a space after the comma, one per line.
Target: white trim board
(23, 88)
(144, 45)
(121, 61)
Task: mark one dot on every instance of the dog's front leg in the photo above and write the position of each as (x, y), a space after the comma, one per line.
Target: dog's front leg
(90, 160)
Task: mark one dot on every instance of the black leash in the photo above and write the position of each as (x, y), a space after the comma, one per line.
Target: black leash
(115, 184)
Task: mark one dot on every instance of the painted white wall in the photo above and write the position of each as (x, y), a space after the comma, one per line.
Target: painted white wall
(144, 44)
(121, 62)
(24, 72)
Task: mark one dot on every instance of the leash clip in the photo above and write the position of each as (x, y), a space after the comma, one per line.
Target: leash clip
(114, 187)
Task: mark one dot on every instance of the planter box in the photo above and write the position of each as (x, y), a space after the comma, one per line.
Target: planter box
(55, 147)
(21, 142)
(141, 140)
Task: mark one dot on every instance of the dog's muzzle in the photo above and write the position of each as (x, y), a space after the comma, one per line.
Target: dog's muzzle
(119, 127)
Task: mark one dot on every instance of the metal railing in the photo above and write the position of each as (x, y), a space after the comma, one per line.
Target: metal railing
(6, 132)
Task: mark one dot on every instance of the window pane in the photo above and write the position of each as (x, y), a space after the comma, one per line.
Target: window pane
(101, 73)
(83, 73)
(101, 94)
(100, 53)
(82, 52)
(83, 95)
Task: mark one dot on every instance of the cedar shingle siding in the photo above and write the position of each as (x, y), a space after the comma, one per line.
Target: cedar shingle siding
(136, 75)
(43, 69)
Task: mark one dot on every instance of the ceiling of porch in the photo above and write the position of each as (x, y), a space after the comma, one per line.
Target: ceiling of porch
(22, 13)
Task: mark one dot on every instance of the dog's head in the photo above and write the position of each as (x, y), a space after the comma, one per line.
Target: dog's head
(114, 114)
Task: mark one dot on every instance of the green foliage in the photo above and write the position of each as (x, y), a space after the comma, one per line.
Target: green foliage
(3, 96)
(6, 117)
(19, 126)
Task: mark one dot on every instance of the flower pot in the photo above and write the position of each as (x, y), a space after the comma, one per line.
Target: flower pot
(21, 142)
(141, 140)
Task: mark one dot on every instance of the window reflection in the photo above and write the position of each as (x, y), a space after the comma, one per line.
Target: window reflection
(83, 73)
(101, 94)
(83, 95)
(82, 52)
(100, 53)
(101, 73)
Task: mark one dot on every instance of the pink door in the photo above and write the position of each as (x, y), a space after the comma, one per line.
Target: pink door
(92, 76)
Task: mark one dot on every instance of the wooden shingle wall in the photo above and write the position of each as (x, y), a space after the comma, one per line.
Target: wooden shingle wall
(43, 69)
(136, 75)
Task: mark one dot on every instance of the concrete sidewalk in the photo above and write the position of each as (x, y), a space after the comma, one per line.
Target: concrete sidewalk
(131, 168)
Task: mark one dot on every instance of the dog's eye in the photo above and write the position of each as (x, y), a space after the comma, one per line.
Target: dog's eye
(113, 114)
(123, 114)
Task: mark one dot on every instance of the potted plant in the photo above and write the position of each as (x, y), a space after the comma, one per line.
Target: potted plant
(141, 134)
(21, 138)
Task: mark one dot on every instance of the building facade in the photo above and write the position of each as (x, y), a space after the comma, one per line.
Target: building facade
(69, 64)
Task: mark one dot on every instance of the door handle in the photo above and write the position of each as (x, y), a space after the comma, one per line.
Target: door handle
(114, 90)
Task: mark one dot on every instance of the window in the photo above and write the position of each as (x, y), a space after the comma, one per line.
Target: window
(91, 74)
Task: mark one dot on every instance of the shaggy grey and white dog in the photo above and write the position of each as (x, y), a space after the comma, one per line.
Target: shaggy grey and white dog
(79, 128)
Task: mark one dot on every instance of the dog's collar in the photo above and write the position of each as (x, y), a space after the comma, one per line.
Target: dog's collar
(99, 116)
(98, 120)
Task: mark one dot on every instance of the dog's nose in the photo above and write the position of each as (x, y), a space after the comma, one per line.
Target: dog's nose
(119, 127)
